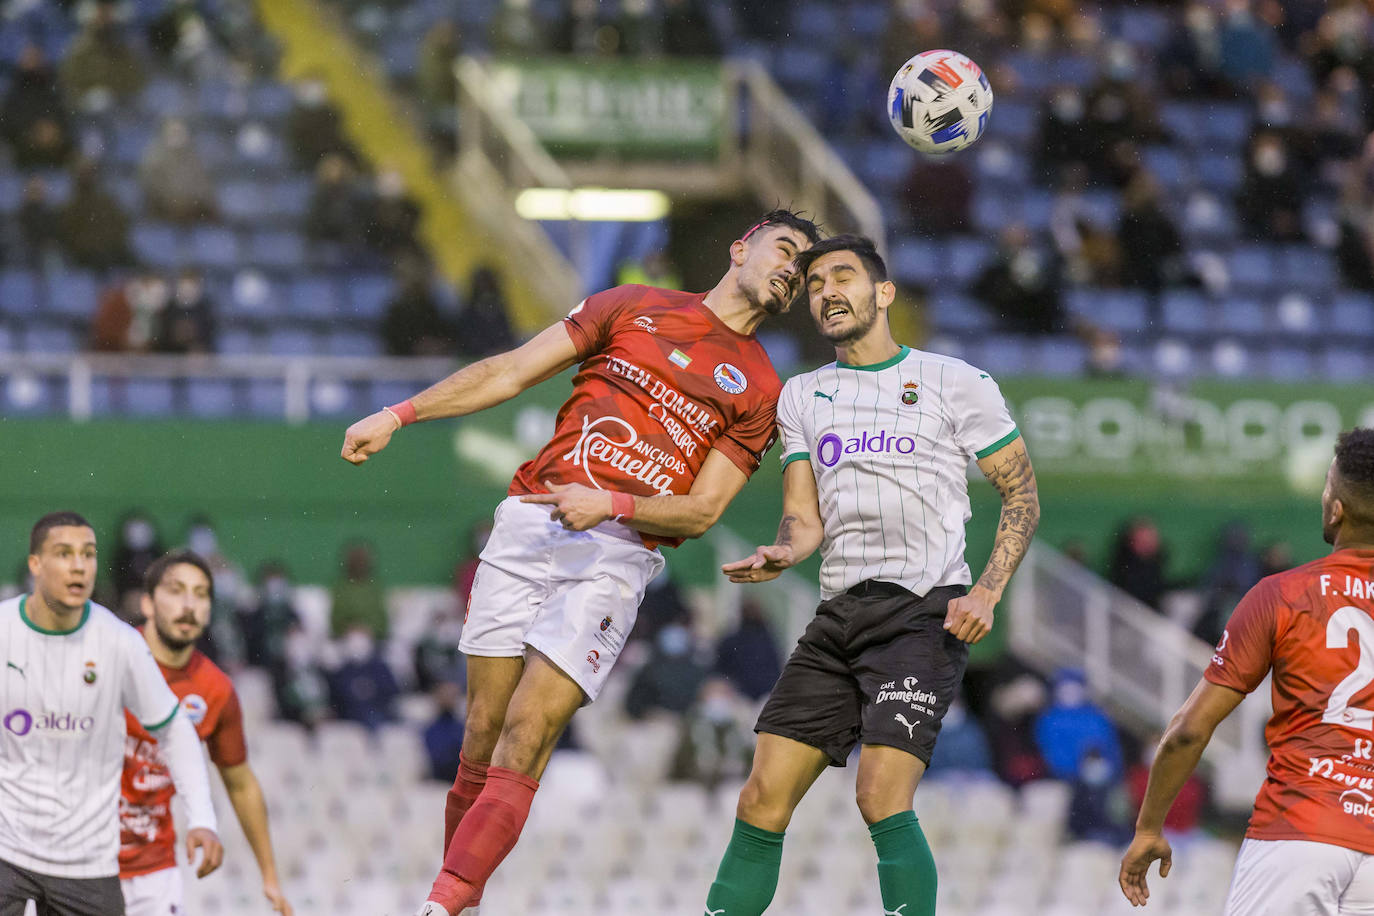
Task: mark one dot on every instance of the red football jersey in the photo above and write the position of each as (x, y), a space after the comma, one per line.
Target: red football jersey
(147, 838)
(663, 381)
(1314, 626)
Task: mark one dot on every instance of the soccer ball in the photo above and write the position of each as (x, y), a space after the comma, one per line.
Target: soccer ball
(939, 102)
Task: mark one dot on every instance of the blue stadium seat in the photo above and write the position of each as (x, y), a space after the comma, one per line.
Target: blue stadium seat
(313, 297)
(211, 397)
(157, 244)
(1143, 26)
(867, 20)
(885, 165)
(1220, 172)
(127, 191)
(1073, 69)
(1309, 268)
(1060, 355)
(352, 343)
(1225, 124)
(1014, 120)
(1001, 161)
(1253, 267)
(28, 395)
(165, 98)
(238, 342)
(368, 295)
(72, 293)
(288, 341)
(242, 201)
(329, 397)
(11, 191)
(267, 398)
(1289, 364)
(1167, 164)
(8, 344)
(819, 22)
(1352, 315)
(917, 260)
(1002, 354)
(1125, 311)
(382, 393)
(49, 338)
(291, 196)
(19, 293)
(127, 143)
(798, 64)
(1183, 121)
(1345, 364)
(214, 247)
(276, 248)
(144, 397)
(1186, 311)
(966, 257)
(956, 312)
(1243, 316)
(269, 100)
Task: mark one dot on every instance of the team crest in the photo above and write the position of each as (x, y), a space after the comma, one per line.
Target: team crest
(730, 379)
(89, 676)
(605, 623)
(195, 707)
(909, 393)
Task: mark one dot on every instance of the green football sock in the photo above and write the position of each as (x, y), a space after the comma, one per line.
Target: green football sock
(906, 869)
(748, 874)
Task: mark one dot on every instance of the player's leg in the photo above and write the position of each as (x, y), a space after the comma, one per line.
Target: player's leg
(909, 668)
(491, 684)
(811, 720)
(1290, 878)
(82, 897)
(747, 876)
(1358, 898)
(17, 887)
(543, 704)
(158, 893)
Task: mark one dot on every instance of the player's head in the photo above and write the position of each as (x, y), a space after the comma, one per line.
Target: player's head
(847, 287)
(764, 255)
(178, 591)
(62, 560)
(1348, 499)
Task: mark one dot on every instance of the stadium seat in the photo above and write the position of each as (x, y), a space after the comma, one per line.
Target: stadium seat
(267, 398)
(72, 294)
(11, 191)
(158, 245)
(1308, 268)
(276, 249)
(242, 201)
(1225, 126)
(1166, 164)
(1345, 364)
(8, 344)
(916, 260)
(957, 313)
(1002, 354)
(1014, 121)
(289, 341)
(1185, 311)
(315, 297)
(27, 394)
(1124, 311)
(270, 100)
(966, 256)
(1242, 316)
(49, 338)
(1288, 364)
(19, 294)
(211, 397)
(1352, 314)
(368, 295)
(1253, 267)
(1060, 356)
(1219, 172)
(1295, 314)
(214, 247)
(141, 397)
(352, 343)
(163, 97)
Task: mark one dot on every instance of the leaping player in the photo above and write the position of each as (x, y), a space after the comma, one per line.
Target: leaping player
(1310, 845)
(672, 407)
(178, 593)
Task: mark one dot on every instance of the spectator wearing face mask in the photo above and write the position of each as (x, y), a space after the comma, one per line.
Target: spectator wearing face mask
(358, 602)
(717, 743)
(443, 736)
(176, 184)
(99, 63)
(1099, 806)
(1072, 727)
(298, 683)
(268, 621)
(748, 658)
(1270, 198)
(139, 545)
(227, 634)
(963, 750)
(187, 323)
(363, 688)
(1138, 562)
(672, 678)
(314, 128)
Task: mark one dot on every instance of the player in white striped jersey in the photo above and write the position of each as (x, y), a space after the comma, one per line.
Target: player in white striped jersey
(71, 669)
(876, 448)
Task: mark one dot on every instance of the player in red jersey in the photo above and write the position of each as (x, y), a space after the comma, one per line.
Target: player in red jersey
(1310, 845)
(178, 592)
(671, 409)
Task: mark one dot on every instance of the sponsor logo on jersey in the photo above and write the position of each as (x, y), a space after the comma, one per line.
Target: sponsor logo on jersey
(195, 707)
(623, 451)
(679, 359)
(700, 421)
(19, 722)
(906, 694)
(910, 726)
(730, 379)
(910, 395)
(9, 665)
(1358, 803)
(647, 323)
(89, 676)
(594, 659)
(828, 397)
(831, 448)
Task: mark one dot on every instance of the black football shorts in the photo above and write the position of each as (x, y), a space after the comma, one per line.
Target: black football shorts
(874, 665)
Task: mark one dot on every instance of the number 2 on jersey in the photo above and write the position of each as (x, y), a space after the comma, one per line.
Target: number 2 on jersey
(1338, 708)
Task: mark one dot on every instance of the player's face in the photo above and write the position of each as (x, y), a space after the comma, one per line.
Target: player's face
(64, 568)
(180, 606)
(768, 277)
(844, 299)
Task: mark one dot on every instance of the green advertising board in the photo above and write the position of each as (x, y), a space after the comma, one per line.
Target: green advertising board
(1103, 451)
(622, 108)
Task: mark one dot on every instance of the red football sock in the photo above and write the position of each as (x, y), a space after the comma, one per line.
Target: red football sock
(467, 785)
(486, 836)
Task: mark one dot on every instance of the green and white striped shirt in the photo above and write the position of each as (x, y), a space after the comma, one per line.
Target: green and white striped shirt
(890, 446)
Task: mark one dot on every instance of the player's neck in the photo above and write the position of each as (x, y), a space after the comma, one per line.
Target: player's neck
(51, 617)
(729, 304)
(869, 350)
(165, 654)
(1353, 540)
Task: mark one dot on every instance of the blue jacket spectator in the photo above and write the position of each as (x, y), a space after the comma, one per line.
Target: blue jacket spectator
(1073, 727)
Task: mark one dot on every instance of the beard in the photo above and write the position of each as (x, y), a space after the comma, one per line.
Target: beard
(172, 641)
(863, 317)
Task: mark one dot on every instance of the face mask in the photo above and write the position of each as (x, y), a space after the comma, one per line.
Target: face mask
(276, 589)
(138, 534)
(1095, 771)
(202, 541)
(1071, 694)
(674, 640)
(1269, 160)
(716, 709)
(300, 653)
(358, 646)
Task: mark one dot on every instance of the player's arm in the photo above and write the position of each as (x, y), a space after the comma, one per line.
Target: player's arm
(799, 533)
(1179, 752)
(580, 507)
(1009, 470)
(245, 794)
(475, 387)
(180, 745)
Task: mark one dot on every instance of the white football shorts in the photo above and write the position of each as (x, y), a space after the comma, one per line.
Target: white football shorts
(158, 893)
(1300, 878)
(573, 596)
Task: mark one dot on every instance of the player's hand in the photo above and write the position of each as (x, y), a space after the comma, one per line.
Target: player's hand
(767, 563)
(575, 506)
(368, 436)
(1135, 864)
(212, 852)
(969, 618)
(272, 891)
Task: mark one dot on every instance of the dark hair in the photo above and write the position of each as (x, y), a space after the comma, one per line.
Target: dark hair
(1355, 467)
(781, 217)
(860, 245)
(52, 520)
(152, 578)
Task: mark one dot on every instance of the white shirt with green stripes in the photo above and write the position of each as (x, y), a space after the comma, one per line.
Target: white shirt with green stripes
(890, 445)
(62, 701)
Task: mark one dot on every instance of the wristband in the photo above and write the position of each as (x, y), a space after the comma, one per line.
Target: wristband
(404, 412)
(622, 506)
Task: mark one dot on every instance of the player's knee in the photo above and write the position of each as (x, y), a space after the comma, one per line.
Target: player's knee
(761, 808)
(484, 723)
(879, 802)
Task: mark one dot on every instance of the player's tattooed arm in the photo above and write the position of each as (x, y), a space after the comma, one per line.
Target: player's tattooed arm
(799, 532)
(1009, 470)
(784, 538)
